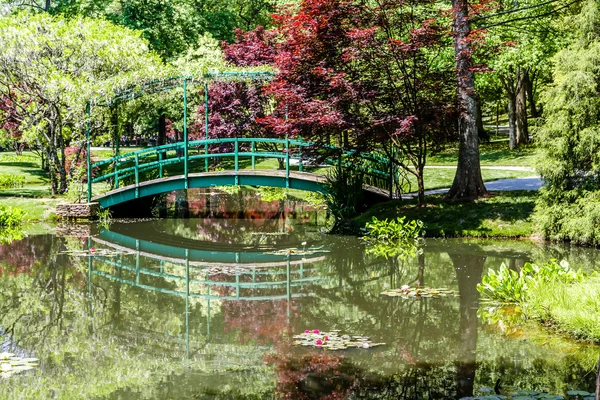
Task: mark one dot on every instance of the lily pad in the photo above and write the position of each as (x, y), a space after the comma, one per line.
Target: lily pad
(10, 364)
(332, 340)
(578, 393)
(418, 292)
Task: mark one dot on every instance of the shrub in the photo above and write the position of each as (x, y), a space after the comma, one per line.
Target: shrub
(510, 286)
(11, 217)
(395, 238)
(11, 181)
(345, 197)
(576, 218)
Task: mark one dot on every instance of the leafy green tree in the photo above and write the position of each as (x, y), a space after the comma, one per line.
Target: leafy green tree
(569, 140)
(54, 64)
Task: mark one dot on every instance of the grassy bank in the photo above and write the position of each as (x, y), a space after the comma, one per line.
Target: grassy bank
(502, 214)
(554, 294)
(572, 308)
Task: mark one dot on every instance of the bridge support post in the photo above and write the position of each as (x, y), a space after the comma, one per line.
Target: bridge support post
(287, 162)
(206, 126)
(300, 155)
(185, 135)
(137, 176)
(89, 150)
(236, 156)
(253, 156)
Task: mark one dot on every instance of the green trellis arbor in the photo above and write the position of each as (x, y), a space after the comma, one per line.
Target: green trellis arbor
(379, 171)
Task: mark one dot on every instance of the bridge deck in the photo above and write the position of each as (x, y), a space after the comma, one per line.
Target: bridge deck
(297, 180)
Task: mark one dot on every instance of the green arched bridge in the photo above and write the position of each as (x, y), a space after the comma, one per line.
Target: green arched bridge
(187, 165)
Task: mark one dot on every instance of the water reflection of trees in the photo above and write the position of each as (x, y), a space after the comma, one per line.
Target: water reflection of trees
(435, 348)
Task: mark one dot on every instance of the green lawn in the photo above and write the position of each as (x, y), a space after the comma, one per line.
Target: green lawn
(495, 153)
(502, 214)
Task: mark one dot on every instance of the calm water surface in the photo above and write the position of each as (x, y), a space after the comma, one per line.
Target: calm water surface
(206, 307)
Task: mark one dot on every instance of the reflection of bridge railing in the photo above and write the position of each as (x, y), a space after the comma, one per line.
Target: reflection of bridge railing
(150, 164)
(141, 272)
(208, 256)
(209, 263)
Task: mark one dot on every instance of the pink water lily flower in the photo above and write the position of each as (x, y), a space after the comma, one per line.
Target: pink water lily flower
(319, 342)
(316, 331)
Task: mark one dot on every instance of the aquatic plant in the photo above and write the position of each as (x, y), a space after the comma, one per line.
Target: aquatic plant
(510, 286)
(393, 238)
(516, 394)
(407, 292)
(11, 364)
(332, 340)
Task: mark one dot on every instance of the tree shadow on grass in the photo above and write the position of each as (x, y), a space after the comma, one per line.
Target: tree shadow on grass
(501, 214)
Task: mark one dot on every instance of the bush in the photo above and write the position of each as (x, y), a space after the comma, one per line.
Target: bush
(11, 181)
(395, 238)
(11, 217)
(576, 218)
(510, 286)
(345, 198)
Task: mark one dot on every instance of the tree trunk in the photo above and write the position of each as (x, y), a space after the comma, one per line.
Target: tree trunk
(521, 113)
(530, 96)
(480, 129)
(468, 273)
(512, 119)
(420, 187)
(162, 130)
(467, 182)
(62, 167)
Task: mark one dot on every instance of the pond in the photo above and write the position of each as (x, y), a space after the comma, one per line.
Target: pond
(208, 307)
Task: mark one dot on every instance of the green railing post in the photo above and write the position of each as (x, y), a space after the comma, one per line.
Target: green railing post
(160, 165)
(300, 152)
(89, 150)
(287, 162)
(253, 156)
(117, 174)
(187, 303)
(137, 262)
(206, 126)
(236, 155)
(185, 135)
(137, 176)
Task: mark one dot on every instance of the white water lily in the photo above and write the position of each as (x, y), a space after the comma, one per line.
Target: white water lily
(5, 367)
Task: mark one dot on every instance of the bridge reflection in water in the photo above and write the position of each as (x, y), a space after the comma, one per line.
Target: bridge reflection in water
(203, 274)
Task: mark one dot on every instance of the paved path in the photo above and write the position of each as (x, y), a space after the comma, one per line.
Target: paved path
(526, 183)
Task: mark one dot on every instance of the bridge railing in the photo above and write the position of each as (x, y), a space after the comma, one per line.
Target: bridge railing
(151, 163)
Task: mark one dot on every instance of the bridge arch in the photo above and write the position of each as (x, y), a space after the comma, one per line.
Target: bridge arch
(186, 164)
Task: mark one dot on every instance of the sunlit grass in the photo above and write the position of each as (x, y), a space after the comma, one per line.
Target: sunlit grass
(504, 214)
(573, 308)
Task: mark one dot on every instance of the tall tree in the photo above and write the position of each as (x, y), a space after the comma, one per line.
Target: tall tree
(468, 182)
(369, 75)
(54, 64)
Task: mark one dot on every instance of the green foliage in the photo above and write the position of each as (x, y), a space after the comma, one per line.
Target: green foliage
(345, 194)
(104, 217)
(569, 139)
(395, 238)
(510, 286)
(576, 219)
(317, 200)
(272, 193)
(11, 181)
(11, 217)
